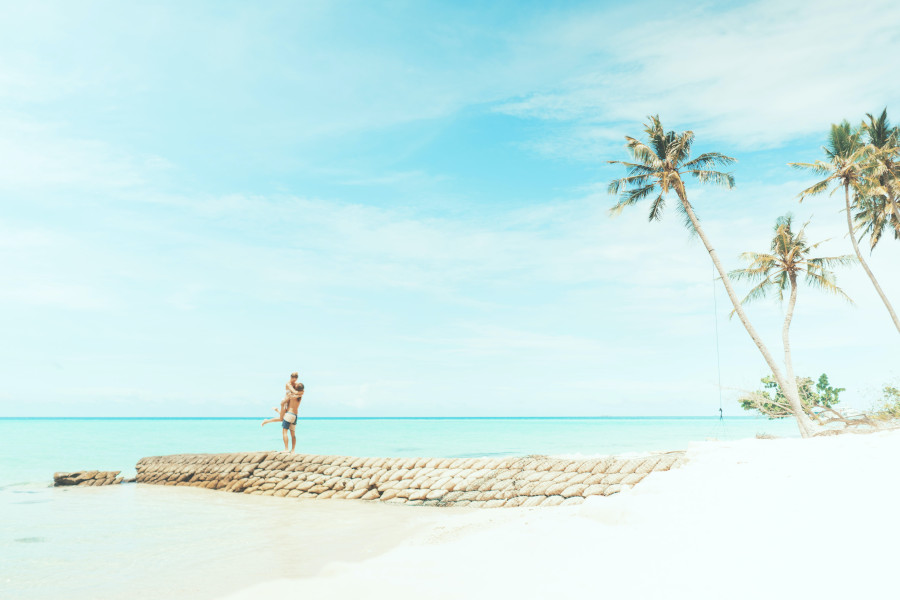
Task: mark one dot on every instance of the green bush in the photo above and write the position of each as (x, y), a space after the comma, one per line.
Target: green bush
(889, 406)
(771, 402)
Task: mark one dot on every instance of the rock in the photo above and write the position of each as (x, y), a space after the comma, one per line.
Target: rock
(631, 466)
(556, 488)
(540, 488)
(603, 466)
(354, 494)
(579, 477)
(612, 489)
(633, 478)
(60, 475)
(648, 465)
(593, 490)
(519, 481)
(573, 490)
(533, 501)
(419, 494)
(442, 483)
(526, 488)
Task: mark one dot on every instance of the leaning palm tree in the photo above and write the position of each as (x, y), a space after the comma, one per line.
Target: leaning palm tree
(849, 165)
(660, 166)
(778, 272)
(878, 203)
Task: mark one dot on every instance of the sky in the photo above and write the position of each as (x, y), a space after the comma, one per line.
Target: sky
(406, 202)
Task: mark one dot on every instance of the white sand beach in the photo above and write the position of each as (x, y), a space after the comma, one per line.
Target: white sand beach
(782, 518)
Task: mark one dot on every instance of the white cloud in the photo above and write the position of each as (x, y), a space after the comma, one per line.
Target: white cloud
(755, 75)
(36, 155)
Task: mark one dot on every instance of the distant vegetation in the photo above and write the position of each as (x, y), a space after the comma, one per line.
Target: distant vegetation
(771, 402)
(863, 161)
(889, 406)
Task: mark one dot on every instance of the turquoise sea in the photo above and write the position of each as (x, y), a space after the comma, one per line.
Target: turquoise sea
(32, 449)
(140, 541)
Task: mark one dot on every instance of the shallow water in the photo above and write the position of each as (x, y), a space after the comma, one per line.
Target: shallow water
(146, 541)
(33, 449)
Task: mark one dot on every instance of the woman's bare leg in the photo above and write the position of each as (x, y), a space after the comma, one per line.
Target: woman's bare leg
(280, 412)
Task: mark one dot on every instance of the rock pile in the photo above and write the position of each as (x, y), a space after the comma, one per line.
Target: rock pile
(520, 481)
(88, 478)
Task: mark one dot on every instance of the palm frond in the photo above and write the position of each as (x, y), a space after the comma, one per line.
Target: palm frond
(624, 182)
(759, 291)
(815, 189)
(818, 167)
(830, 262)
(680, 148)
(644, 154)
(656, 208)
(709, 159)
(686, 219)
(824, 281)
(715, 177)
(629, 197)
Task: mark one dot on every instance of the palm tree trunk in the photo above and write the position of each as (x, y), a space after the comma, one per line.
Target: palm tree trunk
(862, 262)
(788, 389)
(803, 420)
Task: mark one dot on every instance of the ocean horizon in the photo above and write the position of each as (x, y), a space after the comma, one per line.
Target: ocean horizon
(36, 447)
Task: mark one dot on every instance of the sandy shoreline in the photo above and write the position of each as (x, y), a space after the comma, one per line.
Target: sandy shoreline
(745, 519)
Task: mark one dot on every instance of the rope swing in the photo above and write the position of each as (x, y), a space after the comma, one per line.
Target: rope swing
(721, 424)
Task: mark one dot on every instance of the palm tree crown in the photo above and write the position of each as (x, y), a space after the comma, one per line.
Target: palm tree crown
(789, 258)
(846, 165)
(854, 164)
(878, 201)
(659, 166)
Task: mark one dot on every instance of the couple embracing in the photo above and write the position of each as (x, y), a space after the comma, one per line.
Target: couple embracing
(287, 414)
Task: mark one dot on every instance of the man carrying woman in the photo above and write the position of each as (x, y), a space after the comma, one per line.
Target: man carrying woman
(290, 407)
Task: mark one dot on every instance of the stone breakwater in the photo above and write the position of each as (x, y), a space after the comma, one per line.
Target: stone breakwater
(88, 478)
(518, 481)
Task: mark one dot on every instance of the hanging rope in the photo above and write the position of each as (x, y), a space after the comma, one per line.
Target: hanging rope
(718, 353)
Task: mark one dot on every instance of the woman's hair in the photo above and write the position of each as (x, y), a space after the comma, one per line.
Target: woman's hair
(295, 375)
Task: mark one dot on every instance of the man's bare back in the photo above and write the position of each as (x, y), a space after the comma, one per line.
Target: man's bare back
(290, 407)
(294, 397)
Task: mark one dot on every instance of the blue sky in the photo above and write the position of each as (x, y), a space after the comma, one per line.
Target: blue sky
(406, 202)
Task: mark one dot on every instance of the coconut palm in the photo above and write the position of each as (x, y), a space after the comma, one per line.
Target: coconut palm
(779, 271)
(878, 203)
(660, 166)
(850, 164)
